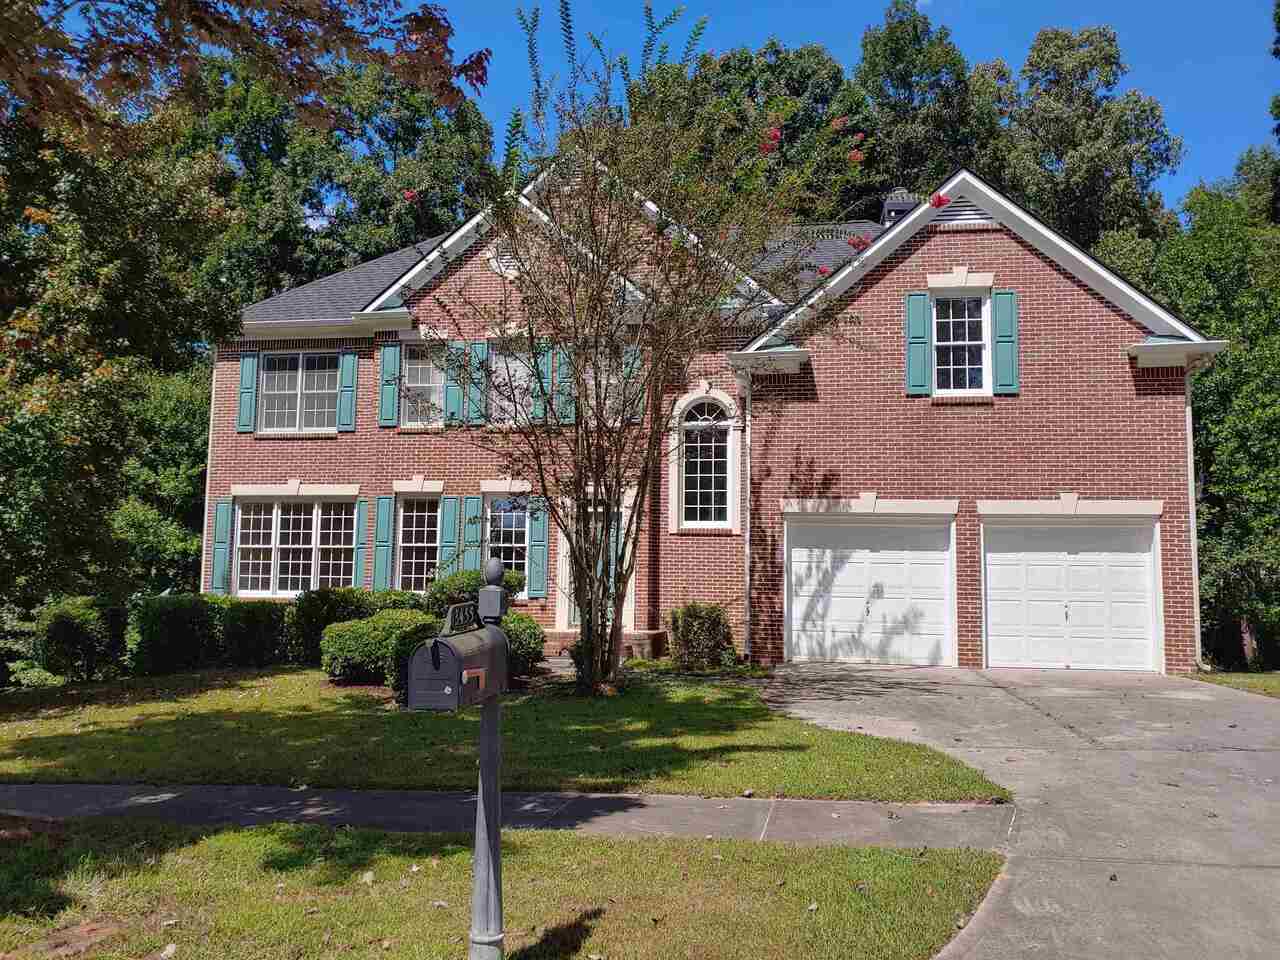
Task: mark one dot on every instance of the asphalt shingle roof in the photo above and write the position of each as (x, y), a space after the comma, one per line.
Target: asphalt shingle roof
(340, 294)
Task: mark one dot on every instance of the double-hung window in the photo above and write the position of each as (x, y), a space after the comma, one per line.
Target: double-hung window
(961, 345)
(507, 532)
(286, 546)
(299, 393)
(705, 466)
(513, 382)
(422, 396)
(419, 541)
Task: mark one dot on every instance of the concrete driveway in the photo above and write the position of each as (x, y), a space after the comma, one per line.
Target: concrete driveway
(1147, 808)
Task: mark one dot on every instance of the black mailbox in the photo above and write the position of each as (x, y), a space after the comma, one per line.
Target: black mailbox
(464, 666)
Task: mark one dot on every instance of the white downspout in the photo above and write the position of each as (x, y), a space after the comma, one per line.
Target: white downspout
(208, 473)
(1191, 514)
(746, 533)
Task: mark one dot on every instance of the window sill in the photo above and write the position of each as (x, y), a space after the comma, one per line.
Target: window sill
(961, 400)
(704, 532)
(421, 428)
(293, 434)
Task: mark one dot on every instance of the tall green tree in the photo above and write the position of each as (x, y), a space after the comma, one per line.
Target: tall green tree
(1082, 155)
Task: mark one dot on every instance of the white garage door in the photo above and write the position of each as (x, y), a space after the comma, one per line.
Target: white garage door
(879, 594)
(1069, 597)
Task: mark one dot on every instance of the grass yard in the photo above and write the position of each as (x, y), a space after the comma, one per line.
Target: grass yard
(300, 892)
(291, 727)
(1267, 684)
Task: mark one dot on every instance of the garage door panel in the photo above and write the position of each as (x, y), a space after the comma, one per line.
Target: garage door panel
(1083, 600)
(883, 596)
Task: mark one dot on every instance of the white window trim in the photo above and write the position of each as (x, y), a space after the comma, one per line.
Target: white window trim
(962, 293)
(675, 461)
(436, 421)
(489, 500)
(564, 578)
(397, 566)
(417, 484)
(276, 502)
(302, 363)
(521, 363)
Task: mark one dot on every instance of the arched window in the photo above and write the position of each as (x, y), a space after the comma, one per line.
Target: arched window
(705, 465)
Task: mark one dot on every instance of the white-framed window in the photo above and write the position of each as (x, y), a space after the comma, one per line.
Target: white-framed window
(299, 393)
(422, 393)
(419, 543)
(286, 546)
(513, 381)
(506, 531)
(704, 466)
(961, 343)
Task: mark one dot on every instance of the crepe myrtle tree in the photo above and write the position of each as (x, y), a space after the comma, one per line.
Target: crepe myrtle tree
(626, 261)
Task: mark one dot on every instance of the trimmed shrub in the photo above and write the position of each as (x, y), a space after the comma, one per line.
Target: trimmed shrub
(400, 647)
(397, 600)
(172, 633)
(701, 636)
(78, 637)
(526, 637)
(252, 633)
(313, 610)
(463, 587)
(28, 673)
(357, 651)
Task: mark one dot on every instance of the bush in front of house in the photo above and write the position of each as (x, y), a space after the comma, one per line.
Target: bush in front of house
(180, 631)
(526, 638)
(252, 633)
(701, 637)
(357, 651)
(78, 637)
(400, 647)
(397, 600)
(464, 586)
(313, 610)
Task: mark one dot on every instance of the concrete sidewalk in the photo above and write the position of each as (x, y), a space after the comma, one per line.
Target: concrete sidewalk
(800, 821)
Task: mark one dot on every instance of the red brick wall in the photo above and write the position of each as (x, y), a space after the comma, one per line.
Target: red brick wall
(1086, 420)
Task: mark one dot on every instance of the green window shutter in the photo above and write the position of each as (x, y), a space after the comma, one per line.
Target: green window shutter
(478, 383)
(536, 571)
(385, 520)
(247, 411)
(632, 392)
(389, 392)
(1004, 337)
(541, 396)
(348, 363)
(448, 536)
(362, 534)
(566, 403)
(454, 358)
(472, 519)
(222, 518)
(919, 345)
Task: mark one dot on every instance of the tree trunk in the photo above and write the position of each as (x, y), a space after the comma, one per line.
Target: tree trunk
(1248, 642)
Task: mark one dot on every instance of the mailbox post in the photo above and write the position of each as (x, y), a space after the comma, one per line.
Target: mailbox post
(467, 665)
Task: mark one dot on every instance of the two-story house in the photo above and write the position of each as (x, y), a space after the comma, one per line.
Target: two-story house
(994, 469)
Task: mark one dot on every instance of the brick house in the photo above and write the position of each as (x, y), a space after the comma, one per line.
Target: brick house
(994, 469)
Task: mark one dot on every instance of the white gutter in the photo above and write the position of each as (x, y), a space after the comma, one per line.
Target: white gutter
(746, 537)
(1191, 519)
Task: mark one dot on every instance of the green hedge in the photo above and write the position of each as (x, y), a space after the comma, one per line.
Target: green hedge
(526, 637)
(369, 650)
(701, 636)
(463, 587)
(172, 633)
(253, 633)
(78, 637)
(313, 610)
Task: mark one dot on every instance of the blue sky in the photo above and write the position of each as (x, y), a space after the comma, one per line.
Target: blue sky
(1210, 66)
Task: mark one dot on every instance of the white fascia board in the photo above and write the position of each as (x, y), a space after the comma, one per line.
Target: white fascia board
(1175, 353)
(357, 325)
(767, 361)
(632, 290)
(1062, 251)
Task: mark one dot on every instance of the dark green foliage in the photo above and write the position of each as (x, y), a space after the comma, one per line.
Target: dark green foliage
(358, 651)
(463, 587)
(701, 636)
(526, 638)
(313, 610)
(78, 637)
(172, 633)
(253, 633)
(397, 600)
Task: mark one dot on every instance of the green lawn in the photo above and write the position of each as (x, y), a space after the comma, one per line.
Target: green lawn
(299, 892)
(292, 727)
(1267, 684)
